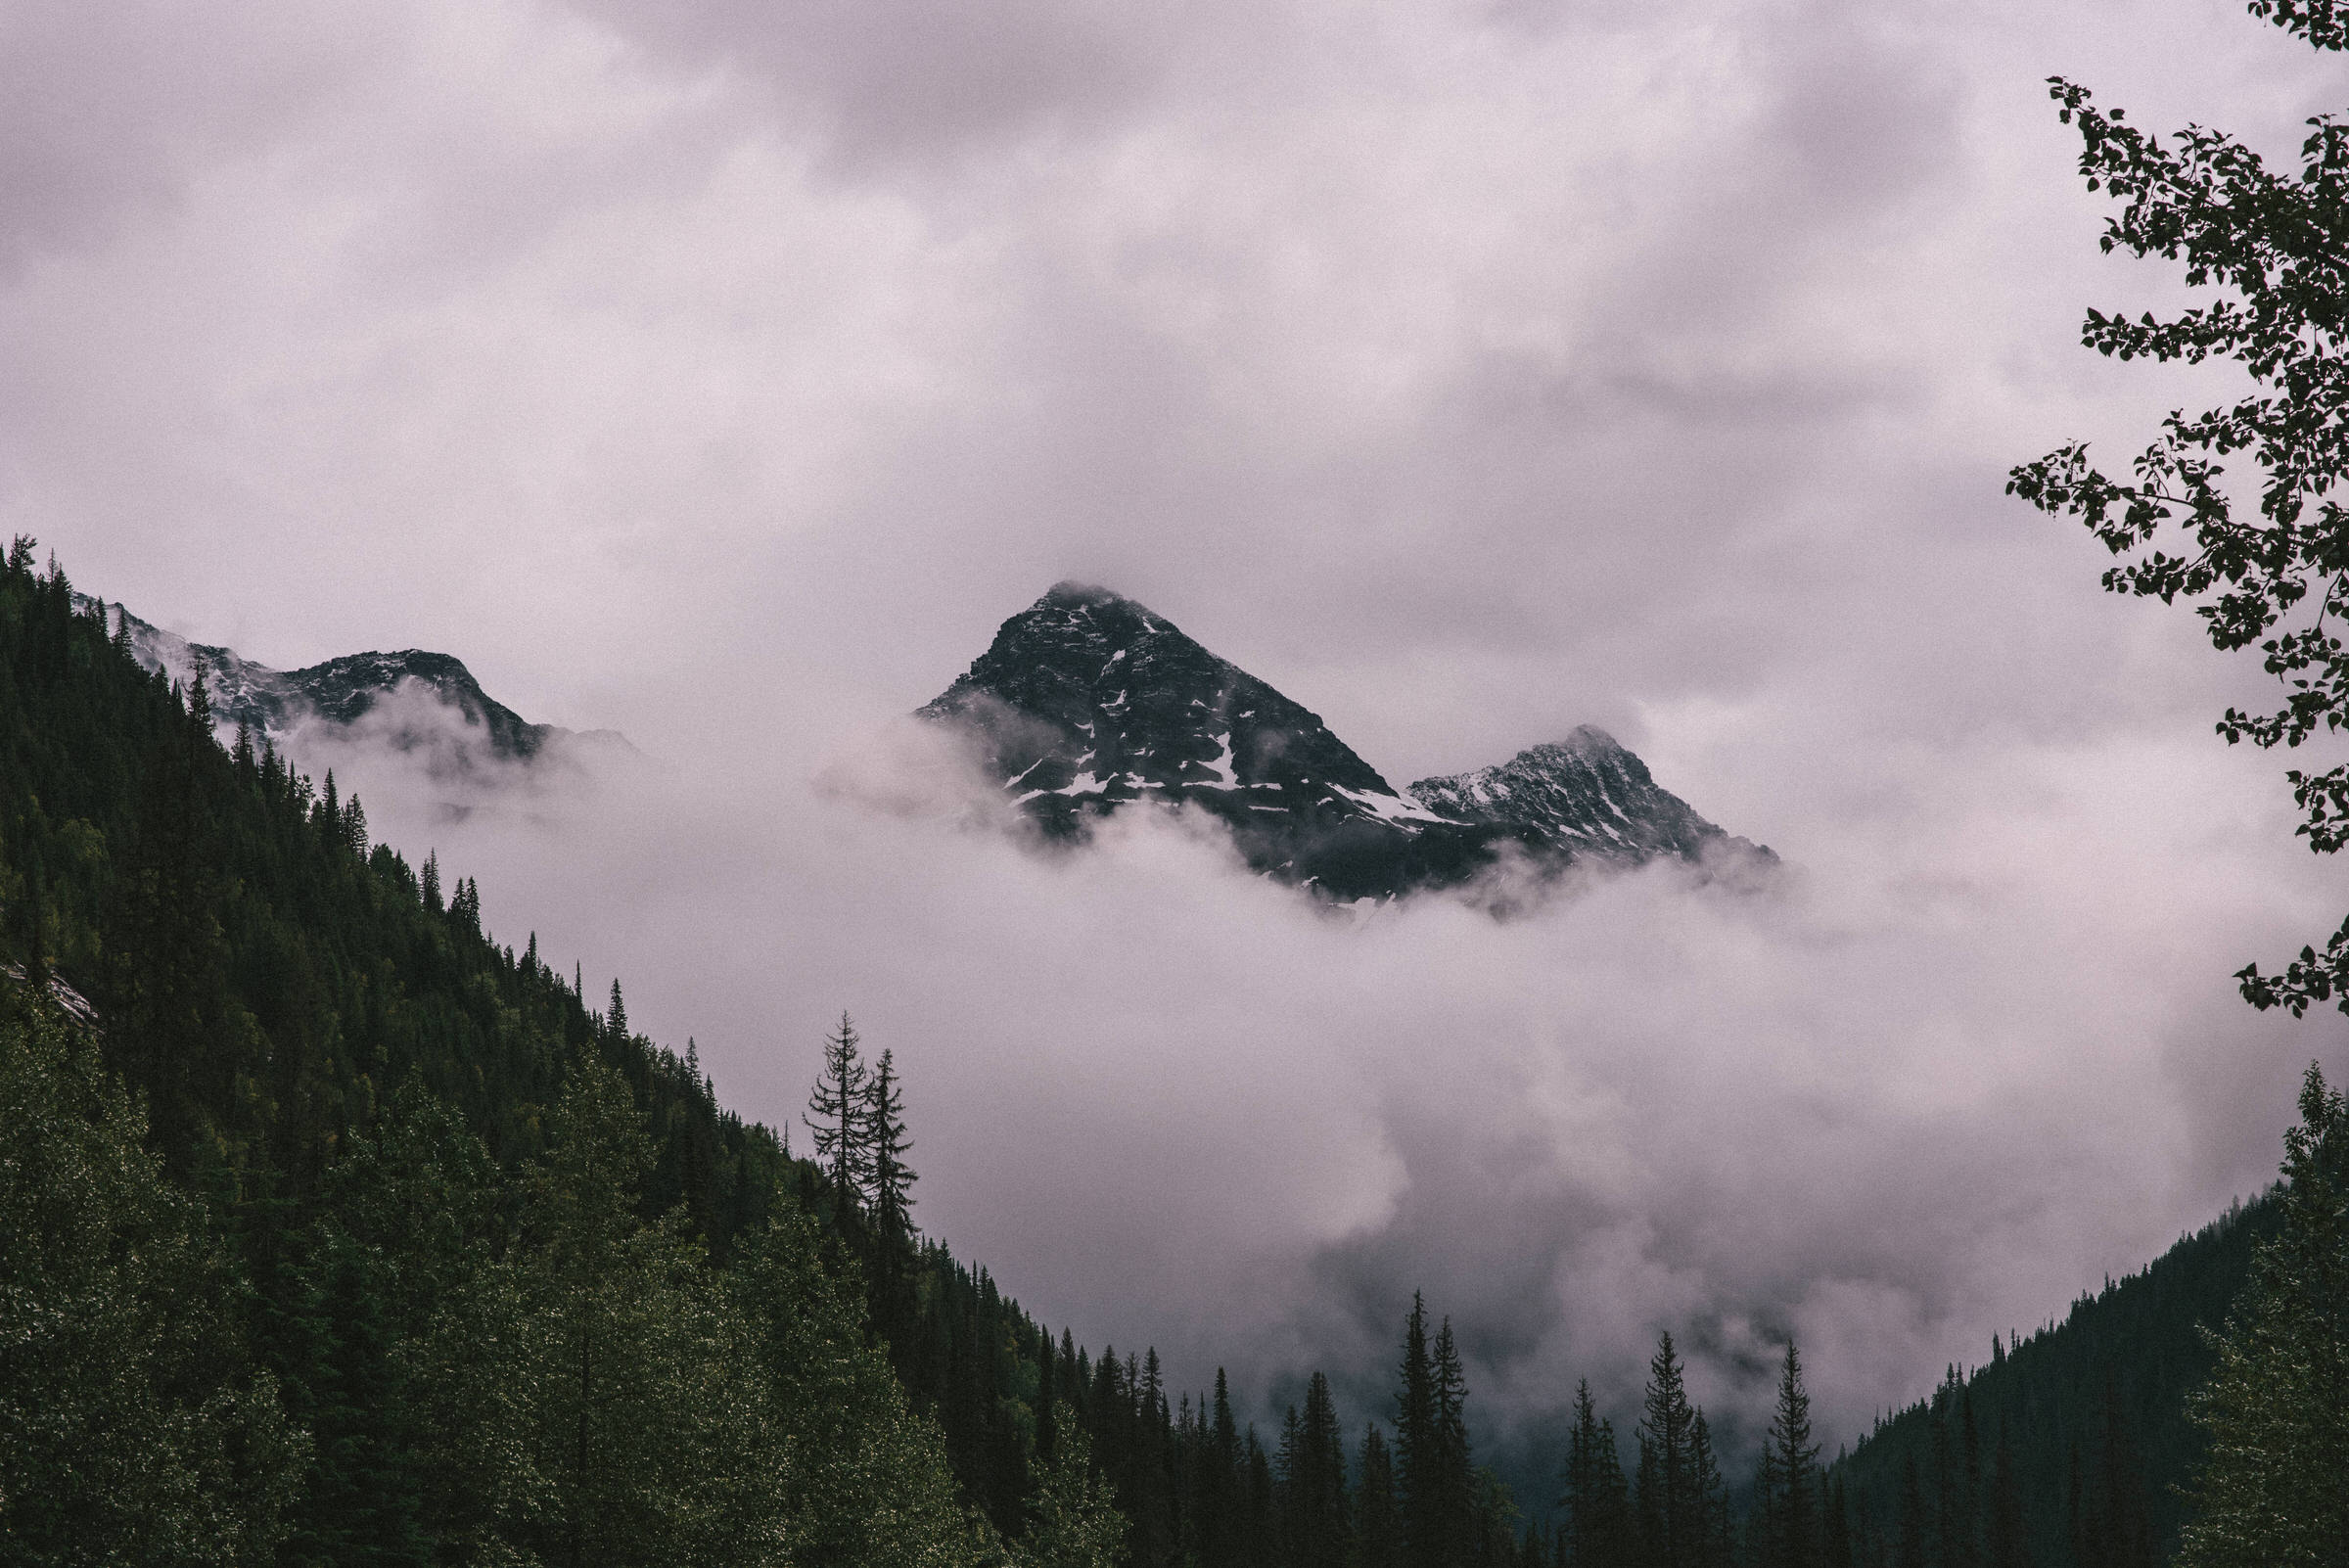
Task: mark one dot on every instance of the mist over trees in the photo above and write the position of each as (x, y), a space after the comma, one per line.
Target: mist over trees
(333, 1231)
(2270, 253)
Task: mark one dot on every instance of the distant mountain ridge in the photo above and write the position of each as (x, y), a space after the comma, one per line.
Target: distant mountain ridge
(1586, 796)
(344, 691)
(1087, 702)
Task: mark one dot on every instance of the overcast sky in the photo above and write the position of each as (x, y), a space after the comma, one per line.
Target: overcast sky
(1468, 371)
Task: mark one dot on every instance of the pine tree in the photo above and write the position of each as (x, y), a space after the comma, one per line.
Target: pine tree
(2276, 1406)
(1073, 1519)
(1313, 1482)
(1223, 1483)
(1419, 1454)
(1788, 1499)
(1455, 1468)
(835, 1115)
(887, 1181)
(1597, 1506)
(1670, 1514)
(1259, 1534)
(1711, 1499)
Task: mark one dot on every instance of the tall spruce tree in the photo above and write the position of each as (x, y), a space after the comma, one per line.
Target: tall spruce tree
(1419, 1455)
(888, 1202)
(1786, 1504)
(1455, 1480)
(2274, 1487)
(1312, 1483)
(887, 1179)
(1223, 1482)
(1713, 1544)
(1670, 1510)
(1597, 1531)
(835, 1115)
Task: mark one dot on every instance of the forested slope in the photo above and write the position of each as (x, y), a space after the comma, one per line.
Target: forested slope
(339, 1232)
(2069, 1446)
(466, 1268)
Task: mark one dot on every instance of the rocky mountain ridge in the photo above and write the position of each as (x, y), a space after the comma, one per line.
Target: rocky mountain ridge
(344, 692)
(1088, 701)
(1587, 797)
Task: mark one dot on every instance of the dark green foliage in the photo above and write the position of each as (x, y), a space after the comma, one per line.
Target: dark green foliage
(2273, 251)
(1596, 1500)
(1672, 1509)
(1073, 1519)
(2274, 1486)
(2103, 1394)
(1712, 1542)
(1315, 1527)
(835, 1115)
(1785, 1529)
(458, 1229)
(2003, 1524)
(888, 1206)
(1432, 1470)
(1453, 1493)
(135, 1425)
(1378, 1518)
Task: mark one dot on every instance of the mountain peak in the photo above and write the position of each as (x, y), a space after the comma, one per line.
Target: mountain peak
(1586, 796)
(340, 691)
(1087, 702)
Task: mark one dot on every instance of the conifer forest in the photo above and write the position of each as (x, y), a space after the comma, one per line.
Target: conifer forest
(339, 1232)
(1688, 958)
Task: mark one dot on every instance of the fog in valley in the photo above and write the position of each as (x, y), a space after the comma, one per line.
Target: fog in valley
(1468, 372)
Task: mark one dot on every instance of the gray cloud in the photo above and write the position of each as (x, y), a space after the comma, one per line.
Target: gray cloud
(1923, 1090)
(723, 376)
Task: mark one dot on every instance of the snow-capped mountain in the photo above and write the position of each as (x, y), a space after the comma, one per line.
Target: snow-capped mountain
(344, 692)
(1584, 795)
(1087, 702)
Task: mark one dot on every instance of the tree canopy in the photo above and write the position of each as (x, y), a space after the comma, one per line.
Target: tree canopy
(2262, 555)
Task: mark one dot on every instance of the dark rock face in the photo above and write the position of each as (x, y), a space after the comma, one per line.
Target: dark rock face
(344, 691)
(1585, 796)
(1087, 702)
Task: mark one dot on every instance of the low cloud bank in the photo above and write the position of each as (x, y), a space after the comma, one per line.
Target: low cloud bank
(1922, 1088)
